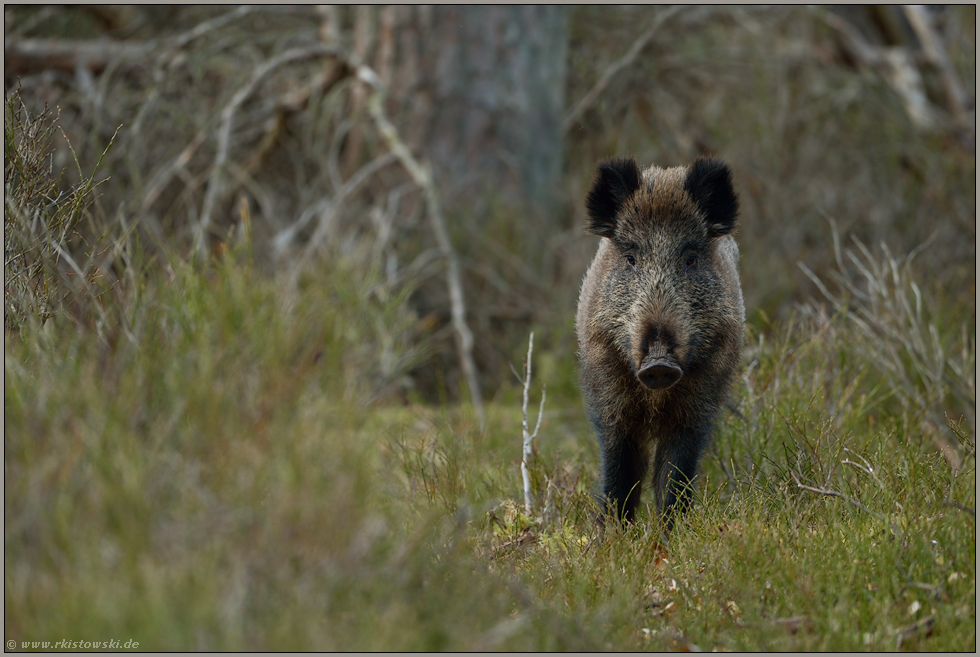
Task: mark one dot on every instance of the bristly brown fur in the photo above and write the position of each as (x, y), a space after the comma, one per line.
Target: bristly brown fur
(659, 324)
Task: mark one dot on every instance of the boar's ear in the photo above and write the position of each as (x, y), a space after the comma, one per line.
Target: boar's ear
(709, 182)
(614, 182)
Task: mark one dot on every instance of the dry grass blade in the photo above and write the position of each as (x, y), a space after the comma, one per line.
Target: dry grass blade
(886, 305)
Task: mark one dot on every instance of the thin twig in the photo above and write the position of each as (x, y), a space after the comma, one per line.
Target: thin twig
(833, 493)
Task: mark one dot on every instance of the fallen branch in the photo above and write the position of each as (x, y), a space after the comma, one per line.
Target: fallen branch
(30, 55)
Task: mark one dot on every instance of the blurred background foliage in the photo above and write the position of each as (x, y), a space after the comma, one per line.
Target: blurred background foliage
(818, 131)
(832, 119)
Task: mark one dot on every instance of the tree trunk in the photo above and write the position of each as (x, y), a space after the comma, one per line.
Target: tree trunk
(478, 91)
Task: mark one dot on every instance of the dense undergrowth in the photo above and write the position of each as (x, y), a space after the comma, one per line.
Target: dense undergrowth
(211, 477)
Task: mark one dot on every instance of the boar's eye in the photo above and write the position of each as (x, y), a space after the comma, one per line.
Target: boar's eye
(631, 261)
(690, 261)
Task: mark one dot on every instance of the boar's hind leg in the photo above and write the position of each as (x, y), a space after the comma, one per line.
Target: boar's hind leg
(674, 468)
(624, 464)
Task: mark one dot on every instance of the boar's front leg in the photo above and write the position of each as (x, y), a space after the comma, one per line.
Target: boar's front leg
(675, 465)
(623, 468)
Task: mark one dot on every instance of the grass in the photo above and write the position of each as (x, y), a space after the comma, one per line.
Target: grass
(212, 476)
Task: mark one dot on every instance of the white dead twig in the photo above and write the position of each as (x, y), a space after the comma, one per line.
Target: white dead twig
(528, 437)
(422, 176)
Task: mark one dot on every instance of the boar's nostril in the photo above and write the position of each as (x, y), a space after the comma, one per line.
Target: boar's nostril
(659, 374)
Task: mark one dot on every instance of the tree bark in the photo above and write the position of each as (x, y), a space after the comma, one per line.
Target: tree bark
(479, 92)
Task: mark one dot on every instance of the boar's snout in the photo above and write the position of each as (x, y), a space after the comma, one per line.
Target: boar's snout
(659, 367)
(660, 373)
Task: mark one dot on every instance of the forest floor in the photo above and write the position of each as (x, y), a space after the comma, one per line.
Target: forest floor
(207, 475)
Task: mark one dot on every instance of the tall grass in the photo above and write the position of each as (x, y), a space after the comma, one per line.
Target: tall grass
(215, 478)
(210, 483)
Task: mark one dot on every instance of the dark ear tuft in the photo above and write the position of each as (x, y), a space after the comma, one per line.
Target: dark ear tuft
(615, 181)
(709, 182)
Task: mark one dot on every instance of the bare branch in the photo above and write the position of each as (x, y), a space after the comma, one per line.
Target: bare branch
(898, 66)
(420, 173)
(216, 182)
(593, 94)
(935, 51)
